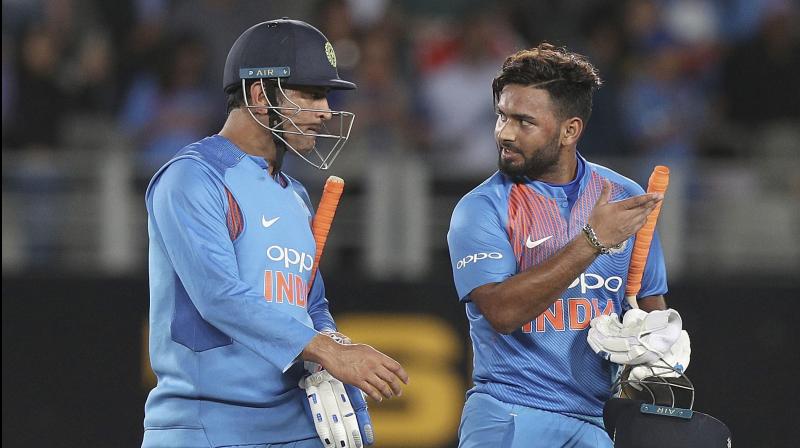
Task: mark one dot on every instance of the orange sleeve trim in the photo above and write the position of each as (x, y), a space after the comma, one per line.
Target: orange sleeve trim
(234, 217)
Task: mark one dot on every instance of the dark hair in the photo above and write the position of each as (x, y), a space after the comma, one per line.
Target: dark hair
(234, 96)
(568, 77)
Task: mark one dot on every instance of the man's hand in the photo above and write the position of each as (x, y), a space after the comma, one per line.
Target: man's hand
(615, 222)
(360, 365)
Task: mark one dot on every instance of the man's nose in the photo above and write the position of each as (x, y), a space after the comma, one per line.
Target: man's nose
(324, 110)
(505, 132)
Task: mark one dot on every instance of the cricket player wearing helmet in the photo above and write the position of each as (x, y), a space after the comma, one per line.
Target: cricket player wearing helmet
(233, 311)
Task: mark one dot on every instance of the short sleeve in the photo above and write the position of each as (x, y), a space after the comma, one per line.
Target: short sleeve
(480, 252)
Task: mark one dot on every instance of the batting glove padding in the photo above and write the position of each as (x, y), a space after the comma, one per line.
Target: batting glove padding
(640, 338)
(674, 362)
(339, 411)
(358, 400)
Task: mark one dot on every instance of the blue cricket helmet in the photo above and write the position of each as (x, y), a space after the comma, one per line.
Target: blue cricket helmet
(292, 50)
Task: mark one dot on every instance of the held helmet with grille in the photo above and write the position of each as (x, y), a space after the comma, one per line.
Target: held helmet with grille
(657, 412)
(665, 386)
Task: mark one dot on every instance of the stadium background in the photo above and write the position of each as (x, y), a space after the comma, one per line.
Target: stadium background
(96, 94)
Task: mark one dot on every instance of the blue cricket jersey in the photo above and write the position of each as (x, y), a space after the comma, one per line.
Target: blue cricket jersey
(501, 228)
(231, 252)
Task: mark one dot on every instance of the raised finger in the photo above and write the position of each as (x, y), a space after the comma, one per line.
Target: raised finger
(397, 369)
(641, 200)
(638, 202)
(382, 387)
(392, 379)
(637, 215)
(370, 390)
(643, 211)
(605, 193)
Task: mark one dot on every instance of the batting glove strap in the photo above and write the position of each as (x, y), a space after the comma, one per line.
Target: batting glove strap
(339, 412)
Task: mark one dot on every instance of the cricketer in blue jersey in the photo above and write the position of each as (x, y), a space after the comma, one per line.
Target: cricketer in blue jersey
(537, 251)
(233, 309)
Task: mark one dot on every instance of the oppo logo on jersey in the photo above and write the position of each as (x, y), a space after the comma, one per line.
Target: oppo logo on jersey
(594, 281)
(474, 258)
(291, 258)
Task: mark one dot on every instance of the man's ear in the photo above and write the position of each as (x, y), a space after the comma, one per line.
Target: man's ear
(257, 97)
(571, 130)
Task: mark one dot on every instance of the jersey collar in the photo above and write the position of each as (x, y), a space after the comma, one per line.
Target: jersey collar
(237, 153)
(584, 176)
(227, 145)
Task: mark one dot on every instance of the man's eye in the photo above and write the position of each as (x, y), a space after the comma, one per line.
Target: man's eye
(319, 94)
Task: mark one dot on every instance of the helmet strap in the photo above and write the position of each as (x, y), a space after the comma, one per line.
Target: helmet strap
(280, 152)
(273, 119)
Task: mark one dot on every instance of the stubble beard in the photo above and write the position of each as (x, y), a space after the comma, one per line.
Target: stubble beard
(542, 162)
(302, 144)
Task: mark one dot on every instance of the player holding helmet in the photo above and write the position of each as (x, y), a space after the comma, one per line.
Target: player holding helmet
(538, 251)
(233, 312)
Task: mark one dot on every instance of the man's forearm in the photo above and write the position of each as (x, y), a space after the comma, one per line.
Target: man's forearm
(320, 349)
(521, 298)
(652, 303)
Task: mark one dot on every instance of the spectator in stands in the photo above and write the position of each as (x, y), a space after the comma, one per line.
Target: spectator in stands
(38, 90)
(764, 71)
(172, 107)
(461, 116)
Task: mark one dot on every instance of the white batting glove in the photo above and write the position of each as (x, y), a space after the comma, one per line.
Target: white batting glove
(640, 338)
(674, 362)
(339, 411)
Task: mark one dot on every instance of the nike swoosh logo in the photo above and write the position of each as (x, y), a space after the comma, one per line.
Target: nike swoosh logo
(268, 222)
(531, 244)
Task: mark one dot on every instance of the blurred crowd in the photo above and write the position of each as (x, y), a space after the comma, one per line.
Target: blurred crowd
(683, 79)
(675, 71)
